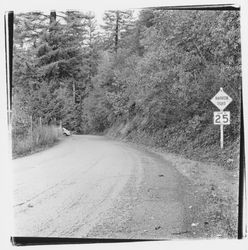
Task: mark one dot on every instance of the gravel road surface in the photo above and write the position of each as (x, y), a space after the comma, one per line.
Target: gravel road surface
(91, 186)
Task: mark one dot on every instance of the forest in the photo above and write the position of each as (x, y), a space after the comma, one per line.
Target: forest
(147, 78)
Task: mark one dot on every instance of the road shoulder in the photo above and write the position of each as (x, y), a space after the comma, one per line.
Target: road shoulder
(216, 216)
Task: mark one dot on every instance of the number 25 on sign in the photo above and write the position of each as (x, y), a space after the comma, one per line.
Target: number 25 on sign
(221, 100)
(222, 118)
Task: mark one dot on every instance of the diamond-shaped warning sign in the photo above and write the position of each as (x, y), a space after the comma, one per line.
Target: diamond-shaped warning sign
(221, 100)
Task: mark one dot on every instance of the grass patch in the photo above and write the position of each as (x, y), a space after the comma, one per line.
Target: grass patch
(40, 138)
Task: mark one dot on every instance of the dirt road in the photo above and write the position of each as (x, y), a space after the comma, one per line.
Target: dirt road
(90, 186)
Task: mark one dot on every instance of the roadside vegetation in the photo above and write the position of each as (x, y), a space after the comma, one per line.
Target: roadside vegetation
(40, 138)
(203, 146)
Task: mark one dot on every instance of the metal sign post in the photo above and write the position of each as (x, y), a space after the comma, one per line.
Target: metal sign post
(221, 100)
(221, 136)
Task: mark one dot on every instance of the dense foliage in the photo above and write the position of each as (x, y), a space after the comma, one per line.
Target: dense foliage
(153, 75)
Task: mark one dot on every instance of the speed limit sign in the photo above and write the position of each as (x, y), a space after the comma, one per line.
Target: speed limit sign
(222, 118)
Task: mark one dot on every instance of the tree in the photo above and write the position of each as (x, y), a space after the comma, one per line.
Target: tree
(116, 24)
(57, 68)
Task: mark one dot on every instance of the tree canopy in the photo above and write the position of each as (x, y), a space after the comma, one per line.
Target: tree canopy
(156, 71)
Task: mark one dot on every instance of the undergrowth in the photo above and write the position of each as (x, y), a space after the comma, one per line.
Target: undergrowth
(196, 144)
(41, 137)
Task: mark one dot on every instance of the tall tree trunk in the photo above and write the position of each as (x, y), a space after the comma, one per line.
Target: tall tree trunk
(52, 17)
(74, 92)
(117, 31)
